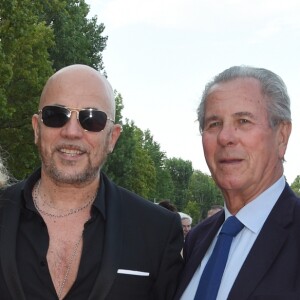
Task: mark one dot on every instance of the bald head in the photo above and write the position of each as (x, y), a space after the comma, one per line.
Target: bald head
(59, 133)
(79, 82)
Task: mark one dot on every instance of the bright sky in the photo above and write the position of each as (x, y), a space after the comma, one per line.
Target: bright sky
(161, 53)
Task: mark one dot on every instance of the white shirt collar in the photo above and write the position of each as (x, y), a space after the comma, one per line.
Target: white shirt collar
(260, 207)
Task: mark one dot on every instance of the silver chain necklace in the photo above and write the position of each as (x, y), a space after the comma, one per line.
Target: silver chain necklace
(76, 246)
(72, 211)
(62, 285)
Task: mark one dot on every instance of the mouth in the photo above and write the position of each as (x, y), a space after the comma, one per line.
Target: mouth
(71, 151)
(228, 161)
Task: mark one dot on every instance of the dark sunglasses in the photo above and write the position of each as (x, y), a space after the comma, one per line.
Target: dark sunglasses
(90, 119)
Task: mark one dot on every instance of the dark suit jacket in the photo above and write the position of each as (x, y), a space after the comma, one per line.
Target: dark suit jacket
(271, 271)
(140, 236)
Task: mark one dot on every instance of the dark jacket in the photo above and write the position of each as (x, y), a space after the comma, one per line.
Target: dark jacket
(139, 236)
(271, 270)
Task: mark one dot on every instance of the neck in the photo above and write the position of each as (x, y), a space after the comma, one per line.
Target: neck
(237, 199)
(66, 196)
(60, 203)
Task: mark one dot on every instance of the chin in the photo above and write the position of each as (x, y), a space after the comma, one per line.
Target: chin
(230, 184)
(72, 175)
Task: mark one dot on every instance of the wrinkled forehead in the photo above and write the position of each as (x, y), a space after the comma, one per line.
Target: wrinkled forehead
(237, 85)
(237, 93)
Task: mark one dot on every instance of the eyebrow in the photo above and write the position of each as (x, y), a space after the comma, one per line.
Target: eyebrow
(75, 108)
(244, 114)
(237, 114)
(211, 118)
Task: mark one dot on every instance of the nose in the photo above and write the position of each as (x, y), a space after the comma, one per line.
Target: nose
(227, 135)
(72, 128)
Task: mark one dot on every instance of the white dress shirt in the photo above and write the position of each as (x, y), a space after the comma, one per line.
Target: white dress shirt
(253, 216)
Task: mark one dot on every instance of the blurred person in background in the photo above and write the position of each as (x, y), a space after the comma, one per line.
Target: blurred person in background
(213, 210)
(4, 177)
(186, 222)
(168, 205)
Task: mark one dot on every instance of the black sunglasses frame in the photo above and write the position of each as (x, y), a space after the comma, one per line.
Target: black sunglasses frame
(90, 119)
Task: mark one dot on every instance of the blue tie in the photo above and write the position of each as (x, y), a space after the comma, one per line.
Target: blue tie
(212, 274)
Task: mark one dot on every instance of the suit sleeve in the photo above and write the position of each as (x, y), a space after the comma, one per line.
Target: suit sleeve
(171, 263)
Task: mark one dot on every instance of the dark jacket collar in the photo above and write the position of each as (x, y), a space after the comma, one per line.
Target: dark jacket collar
(263, 253)
(9, 222)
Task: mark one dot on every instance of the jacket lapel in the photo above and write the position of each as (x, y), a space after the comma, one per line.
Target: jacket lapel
(209, 229)
(112, 242)
(10, 213)
(265, 249)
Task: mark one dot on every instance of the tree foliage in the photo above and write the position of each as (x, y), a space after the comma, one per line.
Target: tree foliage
(164, 187)
(181, 172)
(192, 209)
(77, 38)
(203, 191)
(25, 41)
(36, 38)
(42, 36)
(296, 185)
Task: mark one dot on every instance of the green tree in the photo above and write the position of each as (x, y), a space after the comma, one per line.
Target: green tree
(130, 165)
(119, 108)
(203, 190)
(36, 38)
(164, 184)
(296, 185)
(193, 209)
(137, 163)
(181, 172)
(77, 38)
(25, 66)
(5, 79)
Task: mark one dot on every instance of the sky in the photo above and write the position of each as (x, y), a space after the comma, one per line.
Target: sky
(161, 53)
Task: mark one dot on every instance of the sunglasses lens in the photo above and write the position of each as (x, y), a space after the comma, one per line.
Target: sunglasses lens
(55, 116)
(92, 120)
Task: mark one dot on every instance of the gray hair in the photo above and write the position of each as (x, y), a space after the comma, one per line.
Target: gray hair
(272, 88)
(3, 174)
(184, 216)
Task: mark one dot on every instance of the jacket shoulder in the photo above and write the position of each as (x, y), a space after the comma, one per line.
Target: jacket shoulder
(11, 194)
(135, 204)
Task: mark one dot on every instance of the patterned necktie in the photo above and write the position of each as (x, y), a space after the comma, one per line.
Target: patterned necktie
(212, 274)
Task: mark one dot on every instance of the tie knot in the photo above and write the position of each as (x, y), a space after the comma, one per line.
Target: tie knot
(232, 226)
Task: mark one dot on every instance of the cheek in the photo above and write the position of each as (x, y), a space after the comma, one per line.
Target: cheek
(209, 147)
(47, 138)
(262, 153)
(98, 144)
(262, 145)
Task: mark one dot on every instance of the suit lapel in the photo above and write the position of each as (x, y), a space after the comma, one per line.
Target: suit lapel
(265, 249)
(209, 229)
(112, 243)
(10, 213)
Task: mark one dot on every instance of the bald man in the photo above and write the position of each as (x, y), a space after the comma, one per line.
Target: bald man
(68, 232)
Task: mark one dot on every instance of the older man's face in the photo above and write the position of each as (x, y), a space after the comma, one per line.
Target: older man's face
(243, 153)
(186, 226)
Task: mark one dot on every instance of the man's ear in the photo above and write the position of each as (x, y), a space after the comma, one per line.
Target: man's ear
(115, 134)
(284, 132)
(35, 126)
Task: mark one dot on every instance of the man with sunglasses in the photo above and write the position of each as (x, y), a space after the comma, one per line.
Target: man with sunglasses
(68, 232)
